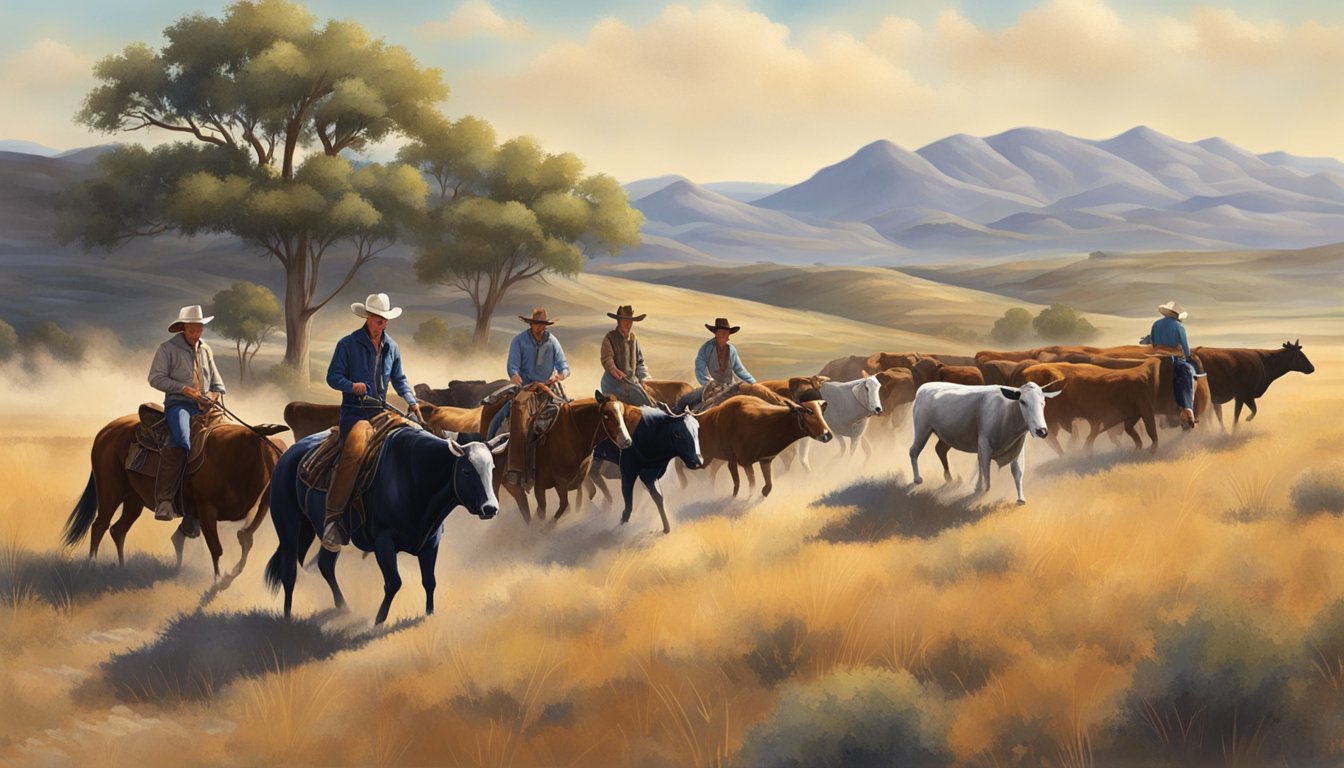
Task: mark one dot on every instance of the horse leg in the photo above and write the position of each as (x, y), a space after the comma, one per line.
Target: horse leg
(428, 556)
(563, 492)
(385, 549)
(245, 533)
(651, 483)
(627, 491)
(131, 507)
(111, 494)
(732, 470)
(941, 449)
(804, 450)
(765, 475)
(209, 521)
(539, 491)
(326, 563)
(519, 498)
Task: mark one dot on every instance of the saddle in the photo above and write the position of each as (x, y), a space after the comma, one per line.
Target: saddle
(151, 435)
(535, 409)
(715, 393)
(317, 469)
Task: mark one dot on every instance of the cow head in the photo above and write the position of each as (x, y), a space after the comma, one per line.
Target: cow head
(868, 391)
(685, 431)
(612, 413)
(810, 418)
(896, 386)
(1297, 360)
(1031, 400)
(472, 476)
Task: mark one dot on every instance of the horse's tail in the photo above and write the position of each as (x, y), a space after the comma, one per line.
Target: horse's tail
(273, 572)
(77, 526)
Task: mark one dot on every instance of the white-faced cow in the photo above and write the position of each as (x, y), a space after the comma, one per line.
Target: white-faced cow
(991, 422)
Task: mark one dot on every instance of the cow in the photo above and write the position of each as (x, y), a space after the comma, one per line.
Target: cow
(658, 437)
(1244, 374)
(854, 366)
(961, 374)
(896, 388)
(745, 430)
(1166, 405)
(459, 394)
(306, 418)
(667, 390)
(1104, 397)
(1036, 353)
(850, 403)
(991, 422)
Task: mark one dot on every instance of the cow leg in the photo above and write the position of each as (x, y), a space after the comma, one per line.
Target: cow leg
(765, 475)
(1218, 411)
(1134, 435)
(922, 435)
(428, 557)
(1150, 426)
(942, 449)
(628, 476)
(732, 470)
(1052, 440)
(983, 458)
(1236, 414)
(750, 469)
(651, 482)
(681, 475)
(326, 564)
(804, 451)
(1250, 404)
(385, 549)
(1019, 466)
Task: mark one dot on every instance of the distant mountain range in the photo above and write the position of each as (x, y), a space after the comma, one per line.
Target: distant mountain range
(1024, 190)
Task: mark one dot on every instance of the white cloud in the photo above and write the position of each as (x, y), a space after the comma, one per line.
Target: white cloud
(41, 89)
(475, 19)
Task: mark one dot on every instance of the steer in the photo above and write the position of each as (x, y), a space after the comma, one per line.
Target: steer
(991, 422)
(1244, 374)
(746, 431)
(1104, 397)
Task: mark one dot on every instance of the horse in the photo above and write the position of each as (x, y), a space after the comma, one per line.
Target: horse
(421, 478)
(659, 437)
(233, 479)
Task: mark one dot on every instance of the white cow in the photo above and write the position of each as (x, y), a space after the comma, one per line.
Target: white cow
(991, 422)
(849, 405)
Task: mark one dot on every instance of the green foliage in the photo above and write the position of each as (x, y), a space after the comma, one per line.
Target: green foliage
(435, 333)
(854, 718)
(55, 340)
(1319, 490)
(1061, 323)
(9, 341)
(1012, 327)
(246, 312)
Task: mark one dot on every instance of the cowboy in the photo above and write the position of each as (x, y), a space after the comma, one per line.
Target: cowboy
(1168, 331)
(535, 357)
(184, 370)
(623, 361)
(716, 366)
(363, 365)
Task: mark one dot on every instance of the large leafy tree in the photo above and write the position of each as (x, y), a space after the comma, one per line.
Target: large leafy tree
(506, 214)
(265, 102)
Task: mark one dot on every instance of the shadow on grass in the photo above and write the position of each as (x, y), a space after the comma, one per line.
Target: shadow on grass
(199, 654)
(888, 507)
(60, 581)
(1173, 445)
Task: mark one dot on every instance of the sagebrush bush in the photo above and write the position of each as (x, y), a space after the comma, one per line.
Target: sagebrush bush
(1319, 490)
(860, 718)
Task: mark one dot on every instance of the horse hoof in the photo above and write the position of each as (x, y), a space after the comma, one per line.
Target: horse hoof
(1021, 502)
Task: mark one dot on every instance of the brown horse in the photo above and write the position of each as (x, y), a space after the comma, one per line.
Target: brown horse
(564, 455)
(234, 478)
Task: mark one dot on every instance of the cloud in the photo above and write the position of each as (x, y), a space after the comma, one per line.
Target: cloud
(475, 19)
(41, 88)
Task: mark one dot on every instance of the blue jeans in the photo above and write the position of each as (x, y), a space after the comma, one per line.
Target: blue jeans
(501, 417)
(1183, 381)
(624, 391)
(179, 416)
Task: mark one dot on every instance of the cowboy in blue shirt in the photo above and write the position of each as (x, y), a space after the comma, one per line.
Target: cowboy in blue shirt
(1168, 332)
(364, 364)
(535, 356)
(717, 365)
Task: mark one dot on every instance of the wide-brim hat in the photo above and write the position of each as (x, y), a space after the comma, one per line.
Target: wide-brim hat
(626, 312)
(1172, 309)
(538, 316)
(186, 315)
(721, 324)
(376, 304)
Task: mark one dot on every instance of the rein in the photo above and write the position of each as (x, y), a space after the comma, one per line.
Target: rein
(264, 438)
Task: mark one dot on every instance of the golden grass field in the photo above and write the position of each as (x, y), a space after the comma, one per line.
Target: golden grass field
(1171, 610)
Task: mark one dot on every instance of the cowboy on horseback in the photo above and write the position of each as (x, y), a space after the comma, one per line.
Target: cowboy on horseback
(363, 364)
(717, 367)
(184, 370)
(535, 358)
(1168, 331)
(623, 366)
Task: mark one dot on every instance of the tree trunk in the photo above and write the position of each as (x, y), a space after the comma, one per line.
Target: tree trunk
(481, 337)
(297, 319)
(242, 370)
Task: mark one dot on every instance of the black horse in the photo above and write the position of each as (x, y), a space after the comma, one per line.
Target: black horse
(660, 437)
(420, 480)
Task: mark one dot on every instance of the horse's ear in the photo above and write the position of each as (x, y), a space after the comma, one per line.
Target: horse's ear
(456, 448)
(864, 373)
(598, 396)
(498, 443)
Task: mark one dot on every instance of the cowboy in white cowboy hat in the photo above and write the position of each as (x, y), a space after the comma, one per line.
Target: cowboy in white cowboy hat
(717, 365)
(364, 364)
(184, 370)
(1168, 331)
(535, 356)
(623, 369)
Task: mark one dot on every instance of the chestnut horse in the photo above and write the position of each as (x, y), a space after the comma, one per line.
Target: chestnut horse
(234, 478)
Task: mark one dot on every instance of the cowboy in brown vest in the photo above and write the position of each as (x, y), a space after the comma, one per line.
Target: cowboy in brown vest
(623, 369)
(717, 366)
(184, 370)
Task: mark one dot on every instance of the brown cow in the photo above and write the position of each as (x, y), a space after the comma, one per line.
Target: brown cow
(746, 431)
(961, 374)
(1166, 405)
(306, 418)
(854, 366)
(1104, 397)
(445, 418)
(1244, 374)
(796, 387)
(667, 390)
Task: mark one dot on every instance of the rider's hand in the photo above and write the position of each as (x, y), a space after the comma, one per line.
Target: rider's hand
(214, 396)
(360, 388)
(516, 379)
(554, 378)
(619, 375)
(192, 392)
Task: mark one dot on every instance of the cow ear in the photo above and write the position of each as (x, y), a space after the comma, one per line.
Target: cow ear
(427, 409)
(865, 373)
(824, 403)
(456, 448)
(498, 443)
(1011, 394)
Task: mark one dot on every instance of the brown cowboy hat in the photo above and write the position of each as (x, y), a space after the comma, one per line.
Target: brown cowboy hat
(626, 312)
(721, 323)
(538, 316)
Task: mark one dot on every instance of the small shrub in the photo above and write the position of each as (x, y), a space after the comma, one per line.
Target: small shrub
(1061, 323)
(9, 341)
(1012, 327)
(856, 718)
(1319, 490)
(435, 333)
(55, 340)
(781, 650)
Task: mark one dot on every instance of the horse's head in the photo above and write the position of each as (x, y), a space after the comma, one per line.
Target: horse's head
(1297, 359)
(612, 413)
(810, 418)
(472, 476)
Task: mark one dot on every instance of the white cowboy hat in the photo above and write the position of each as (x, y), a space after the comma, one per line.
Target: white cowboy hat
(376, 304)
(1172, 309)
(186, 315)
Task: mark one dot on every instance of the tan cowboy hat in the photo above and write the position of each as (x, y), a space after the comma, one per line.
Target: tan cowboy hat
(376, 304)
(722, 323)
(186, 315)
(1172, 309)
(626, 312)
(538, 316)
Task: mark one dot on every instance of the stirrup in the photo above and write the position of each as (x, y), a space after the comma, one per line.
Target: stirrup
(334, 537)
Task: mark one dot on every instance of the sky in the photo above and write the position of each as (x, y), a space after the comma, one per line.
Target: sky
(773, 90)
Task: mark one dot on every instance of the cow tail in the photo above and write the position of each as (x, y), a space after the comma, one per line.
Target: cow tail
(81, 518)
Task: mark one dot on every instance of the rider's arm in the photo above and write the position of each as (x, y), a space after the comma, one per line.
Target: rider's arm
(641, 370)
(702, 364)
(738, 368)
(160, 376)
(336, 370)
(561, 364)
(514, 365)
(398, 378)
(608, 356)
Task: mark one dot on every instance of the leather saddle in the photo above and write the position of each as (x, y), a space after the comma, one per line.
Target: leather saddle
(317, 469)
(151, 435)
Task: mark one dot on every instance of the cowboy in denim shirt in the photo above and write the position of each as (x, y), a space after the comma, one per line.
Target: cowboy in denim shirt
(1169, 332)
(717, 365)
(535, 356)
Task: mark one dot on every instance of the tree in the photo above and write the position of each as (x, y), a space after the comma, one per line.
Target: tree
(9, 341)
(1012, 327)
(246, 313)
(1061, 323)
(253, 93)
(509, 214)
(56, 340)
